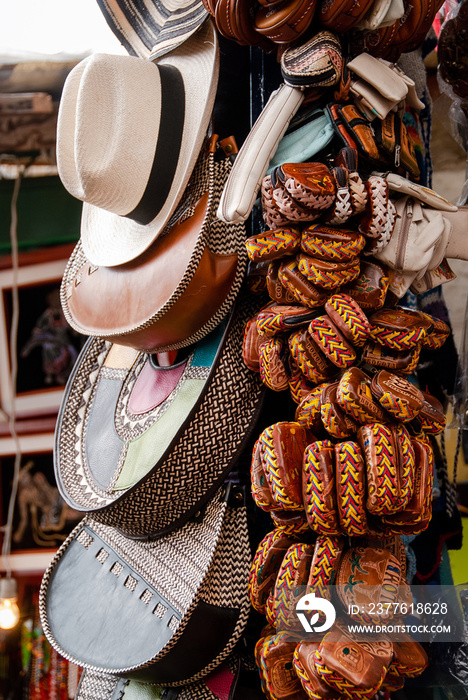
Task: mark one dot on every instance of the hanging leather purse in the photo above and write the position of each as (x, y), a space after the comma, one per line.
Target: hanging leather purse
(180, 288)
(165, 610)
(141, 445)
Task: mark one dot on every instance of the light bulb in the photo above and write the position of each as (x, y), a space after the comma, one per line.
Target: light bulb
(9, 614)
(9, 611)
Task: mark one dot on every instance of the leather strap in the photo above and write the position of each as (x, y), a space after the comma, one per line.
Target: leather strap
(374, 222)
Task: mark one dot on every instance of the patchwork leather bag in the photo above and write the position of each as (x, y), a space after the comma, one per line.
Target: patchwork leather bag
(143, 446)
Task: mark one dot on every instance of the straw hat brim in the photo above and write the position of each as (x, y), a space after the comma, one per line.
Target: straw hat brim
(152, 29)
(109, 239)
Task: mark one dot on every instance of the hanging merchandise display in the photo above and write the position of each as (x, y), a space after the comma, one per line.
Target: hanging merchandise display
(212, 279)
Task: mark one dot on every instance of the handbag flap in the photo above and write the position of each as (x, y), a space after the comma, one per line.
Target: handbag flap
(370, 100)
(135, 408)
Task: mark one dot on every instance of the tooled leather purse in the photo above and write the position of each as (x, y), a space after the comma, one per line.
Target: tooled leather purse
(413, 26)
(261, 24)
(339, 15)
(177, 291)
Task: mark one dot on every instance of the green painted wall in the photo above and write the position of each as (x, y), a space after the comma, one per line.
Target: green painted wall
(47, 214)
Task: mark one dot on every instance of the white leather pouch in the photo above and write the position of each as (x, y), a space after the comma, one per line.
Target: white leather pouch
(252, 161)
(369, 100)
(383, 13)
(373, 71)
(418, 243)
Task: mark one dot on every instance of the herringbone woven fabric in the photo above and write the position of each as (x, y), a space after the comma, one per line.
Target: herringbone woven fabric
(209, 440)
(102, 686)
(358, 192)
(373, 222)
(342, 208)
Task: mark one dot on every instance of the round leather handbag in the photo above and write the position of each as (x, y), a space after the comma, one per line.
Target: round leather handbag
(142, 445)
(167, 610)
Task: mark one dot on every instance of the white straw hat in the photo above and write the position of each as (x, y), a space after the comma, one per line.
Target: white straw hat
(129, 134)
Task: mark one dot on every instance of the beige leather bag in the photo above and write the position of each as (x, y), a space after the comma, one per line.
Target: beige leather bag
(422, 240)
(379, 86)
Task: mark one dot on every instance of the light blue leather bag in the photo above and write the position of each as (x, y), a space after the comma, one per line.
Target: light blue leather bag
(307, 135)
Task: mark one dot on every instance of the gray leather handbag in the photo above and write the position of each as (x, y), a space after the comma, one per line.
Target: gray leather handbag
(165, 611)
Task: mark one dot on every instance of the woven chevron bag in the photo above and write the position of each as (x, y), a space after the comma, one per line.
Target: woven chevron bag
(143, 446)
(218, 685)
(165, 611)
